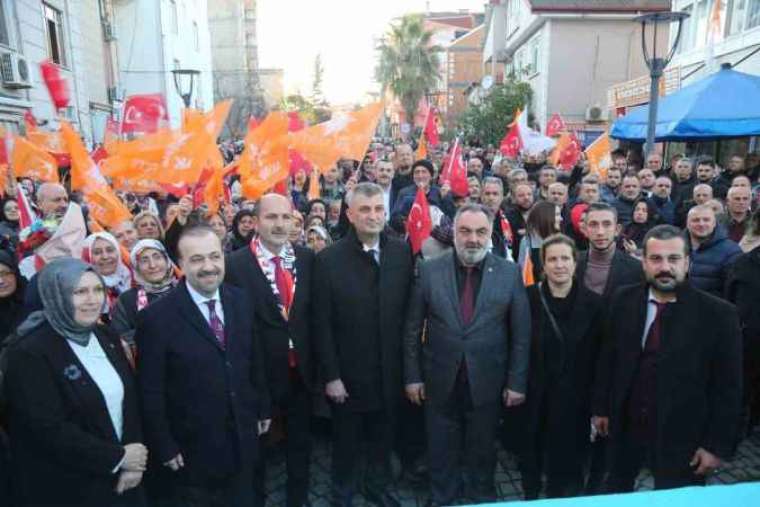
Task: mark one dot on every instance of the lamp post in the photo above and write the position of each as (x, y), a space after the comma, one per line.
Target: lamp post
(657, 64)
(179, 82)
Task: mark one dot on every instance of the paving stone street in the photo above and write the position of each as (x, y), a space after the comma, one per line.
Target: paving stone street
(745, 467)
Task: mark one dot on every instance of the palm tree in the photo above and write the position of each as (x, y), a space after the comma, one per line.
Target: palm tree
(409, 65)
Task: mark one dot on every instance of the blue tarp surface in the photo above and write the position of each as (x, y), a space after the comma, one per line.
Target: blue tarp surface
(737, 495)
(725, 104)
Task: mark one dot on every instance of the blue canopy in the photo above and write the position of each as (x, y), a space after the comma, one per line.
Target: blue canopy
(723, 105)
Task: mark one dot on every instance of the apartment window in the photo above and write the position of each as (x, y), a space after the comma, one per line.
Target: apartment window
(535, 55)
(703, 15)
(54, 32)
(196, 36)
(753, 13)
(687, 41)
(173, 16)
(4, 37)
(737, 13)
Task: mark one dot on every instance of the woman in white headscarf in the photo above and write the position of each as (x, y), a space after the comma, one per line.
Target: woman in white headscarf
(101, 250)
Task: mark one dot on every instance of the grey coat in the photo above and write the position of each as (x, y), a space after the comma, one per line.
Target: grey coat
(495, 345)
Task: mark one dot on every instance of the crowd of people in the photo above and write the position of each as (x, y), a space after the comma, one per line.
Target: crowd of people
(593, 325)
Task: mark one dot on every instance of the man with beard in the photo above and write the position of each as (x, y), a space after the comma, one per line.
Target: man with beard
(384, 170)
(630, 191)
(276, 277)
(501, 237)
(52, 201)
(522, 202)
(611, 185)
(660, 200)
(683, 181)
(712, 252)
(402, 177)
(204, 393)
(706, 175)
(362, 285)
(474, 360)
(669, 381)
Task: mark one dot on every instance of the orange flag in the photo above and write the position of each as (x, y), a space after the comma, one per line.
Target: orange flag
(527, 272)
(185, 159)
(213, 191)
(314, 184)
(598, 155)
(562, 143)
(421, 148)
(104, 206)
(50, 141)
(346, 135)
(29, 160)
(264, 161)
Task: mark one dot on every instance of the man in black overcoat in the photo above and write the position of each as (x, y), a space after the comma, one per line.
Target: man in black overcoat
(362, 285)
(276, 277)
(669, 381)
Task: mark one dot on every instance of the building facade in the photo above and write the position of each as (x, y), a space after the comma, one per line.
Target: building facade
(570, 53)
(462, 69)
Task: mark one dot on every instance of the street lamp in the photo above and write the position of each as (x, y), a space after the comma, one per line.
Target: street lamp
(657, 64)
(182, 76)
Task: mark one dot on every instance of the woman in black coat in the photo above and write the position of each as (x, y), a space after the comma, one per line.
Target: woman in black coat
(73, 417)
(12, 287)
(566, 328)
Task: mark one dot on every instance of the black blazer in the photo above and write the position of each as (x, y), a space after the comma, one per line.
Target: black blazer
(63, 442)
(243, 270)
(625, 270)
(199, 399)
(358, 301)
(699, 372)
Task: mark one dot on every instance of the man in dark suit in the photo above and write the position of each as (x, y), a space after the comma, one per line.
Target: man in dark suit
(362, 283)
(602, 269)
(669, 381)
(276, 277)
(474, 358)
(204, 394)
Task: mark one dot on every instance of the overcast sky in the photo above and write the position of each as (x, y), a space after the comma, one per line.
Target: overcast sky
(292, 32)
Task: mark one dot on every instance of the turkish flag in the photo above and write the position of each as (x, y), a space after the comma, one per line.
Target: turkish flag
(30, 122)
(144, 113)
(555, 126)
(99, 154)
(56, 84)
(512, 144)
(431, 129)
(418, 223)
(298, 163)
(455, 172)
(570, 153)
(295, 123)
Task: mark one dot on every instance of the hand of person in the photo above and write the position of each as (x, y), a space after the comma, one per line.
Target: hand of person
(351, 183)
(264, 426)
(336, 391)
(416, 392)
(512, 398)
(175, 463)
(602, 425)
(135, 458)
(445, 188)
(629, 246)
(184, 209)
(705, 461)
(128, 480)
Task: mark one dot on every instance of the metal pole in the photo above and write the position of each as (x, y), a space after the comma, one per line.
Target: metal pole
(654, 97)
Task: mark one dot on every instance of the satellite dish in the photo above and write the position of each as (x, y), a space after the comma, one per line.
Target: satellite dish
(487, 82)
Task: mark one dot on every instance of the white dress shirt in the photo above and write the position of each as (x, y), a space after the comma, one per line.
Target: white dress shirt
(375, 249)
(99, 367)
(651, 314)
(200, 301)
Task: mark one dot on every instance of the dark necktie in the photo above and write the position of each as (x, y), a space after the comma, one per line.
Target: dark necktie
(467, 301)
(655, 330)
(214, 322)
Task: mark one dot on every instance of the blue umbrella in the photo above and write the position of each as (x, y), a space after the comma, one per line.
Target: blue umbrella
(723, 105)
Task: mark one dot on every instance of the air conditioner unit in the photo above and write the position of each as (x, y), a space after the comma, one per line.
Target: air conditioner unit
(109, 33)
(15, 71)
(596, 114)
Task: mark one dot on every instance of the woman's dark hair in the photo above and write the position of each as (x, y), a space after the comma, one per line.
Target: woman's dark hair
(542, 219)
(643, 201)
(238, 217)
(5, 201)
(558, 239)
(316, 201)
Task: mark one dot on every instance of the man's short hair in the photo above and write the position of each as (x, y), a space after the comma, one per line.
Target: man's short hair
(615, 169)
(515, 172)
(602, 206)
(706, 161)
(493, 180)
(474, 207)
(687, 160)
(194, 230)
(591, 179)
(365, 189)
(665, 232)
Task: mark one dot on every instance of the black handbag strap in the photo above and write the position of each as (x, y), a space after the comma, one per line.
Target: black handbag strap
(549, 313)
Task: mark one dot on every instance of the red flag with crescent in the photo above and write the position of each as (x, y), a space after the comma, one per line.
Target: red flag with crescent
(418, 223)
(144, 113)
(555, 126)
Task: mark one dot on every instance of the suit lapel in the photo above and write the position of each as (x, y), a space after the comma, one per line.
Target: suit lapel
(230, 316)
(486, 281)
(193, 315)
(451, 287)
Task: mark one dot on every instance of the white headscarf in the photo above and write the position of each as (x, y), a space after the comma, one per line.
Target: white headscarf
(121, 279)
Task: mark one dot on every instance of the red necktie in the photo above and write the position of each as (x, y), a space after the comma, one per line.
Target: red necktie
(653, 335)
(214, 322)
(285, 293)
(467, 301)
